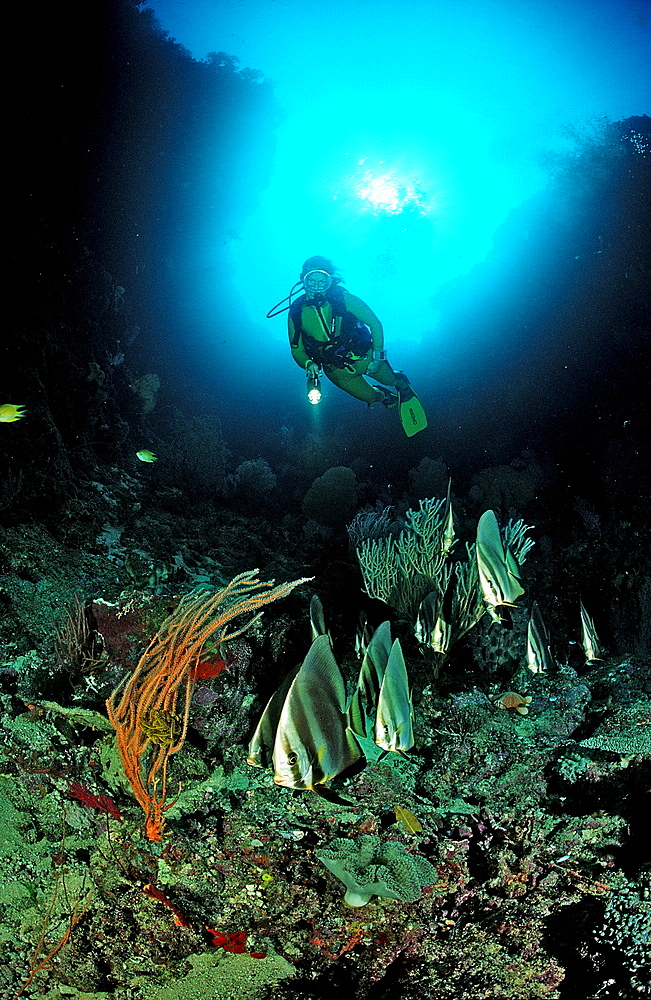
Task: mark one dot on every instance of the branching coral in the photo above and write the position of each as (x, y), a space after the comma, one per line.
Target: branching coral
(402, 569)
(413, 569)
(79, 649)
(150, 713)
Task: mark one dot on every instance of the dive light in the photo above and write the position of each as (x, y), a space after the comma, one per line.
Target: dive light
(314, 386)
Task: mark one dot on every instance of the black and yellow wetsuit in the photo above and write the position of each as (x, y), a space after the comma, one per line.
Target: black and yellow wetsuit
(340, 332)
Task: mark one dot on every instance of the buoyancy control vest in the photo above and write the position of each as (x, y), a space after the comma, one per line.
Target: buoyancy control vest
(351, 342)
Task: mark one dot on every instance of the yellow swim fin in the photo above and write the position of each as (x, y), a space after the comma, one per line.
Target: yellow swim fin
(410, 408)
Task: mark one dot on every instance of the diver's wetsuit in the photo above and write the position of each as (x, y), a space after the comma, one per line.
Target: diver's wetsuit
(317, 341)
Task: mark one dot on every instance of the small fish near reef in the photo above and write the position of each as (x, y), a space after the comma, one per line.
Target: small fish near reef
(514, 702)
(10, 412)
(146, 456)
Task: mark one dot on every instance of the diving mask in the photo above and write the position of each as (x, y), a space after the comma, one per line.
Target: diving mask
(316, 283)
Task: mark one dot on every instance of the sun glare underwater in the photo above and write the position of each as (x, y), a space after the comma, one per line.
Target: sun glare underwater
(410, 131)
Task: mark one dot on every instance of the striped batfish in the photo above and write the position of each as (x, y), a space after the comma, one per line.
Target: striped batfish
(499, 573)
(264, 737)
(362, 635)
(539, 654)
(262, 743)
(317, 617)
(449, 535)
(589, 639)
(365, 696)
(313, 742)
(394, 718)
(431, 628)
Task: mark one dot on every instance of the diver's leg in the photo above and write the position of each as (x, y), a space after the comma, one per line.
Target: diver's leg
(388, 376)
(355, 384)
(384, 374)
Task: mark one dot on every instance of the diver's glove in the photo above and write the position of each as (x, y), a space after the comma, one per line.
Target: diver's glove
(312, 370)
(375, 365)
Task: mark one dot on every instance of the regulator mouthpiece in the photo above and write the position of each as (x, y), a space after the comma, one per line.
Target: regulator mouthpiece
(313, 389)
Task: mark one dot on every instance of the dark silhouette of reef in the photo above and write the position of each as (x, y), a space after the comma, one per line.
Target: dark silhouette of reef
(123, 137)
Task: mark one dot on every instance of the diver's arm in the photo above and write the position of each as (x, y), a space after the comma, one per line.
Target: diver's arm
(366, 315)
(298, 351)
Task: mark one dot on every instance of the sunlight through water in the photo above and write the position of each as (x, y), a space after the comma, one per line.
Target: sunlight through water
(409, 132)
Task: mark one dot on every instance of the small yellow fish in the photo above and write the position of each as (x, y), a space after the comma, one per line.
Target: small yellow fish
(146, 456)
(9, 412)
(411, 823)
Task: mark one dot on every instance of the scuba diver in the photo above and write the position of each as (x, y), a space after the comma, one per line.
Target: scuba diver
(334, 332)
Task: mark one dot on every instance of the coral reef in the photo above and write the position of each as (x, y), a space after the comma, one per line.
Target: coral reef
(505, 855)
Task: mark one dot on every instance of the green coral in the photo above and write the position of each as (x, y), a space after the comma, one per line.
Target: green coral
(402, 569)
(211, 975)
(368, 867)
(408, 564)
(627, 731)
(229, 977)
(627, 927)
(573, 767)
(627, 744)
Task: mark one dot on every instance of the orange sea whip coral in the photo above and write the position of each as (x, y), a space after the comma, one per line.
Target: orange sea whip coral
(149, 709)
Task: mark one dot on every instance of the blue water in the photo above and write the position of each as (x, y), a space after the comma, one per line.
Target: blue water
(461, 164)
(411, 130)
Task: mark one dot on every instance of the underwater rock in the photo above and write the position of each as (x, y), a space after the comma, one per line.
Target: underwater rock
(332, 498)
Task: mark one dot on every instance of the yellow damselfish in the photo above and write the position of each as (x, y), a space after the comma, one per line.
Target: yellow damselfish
(146, 456)
(9, 412)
